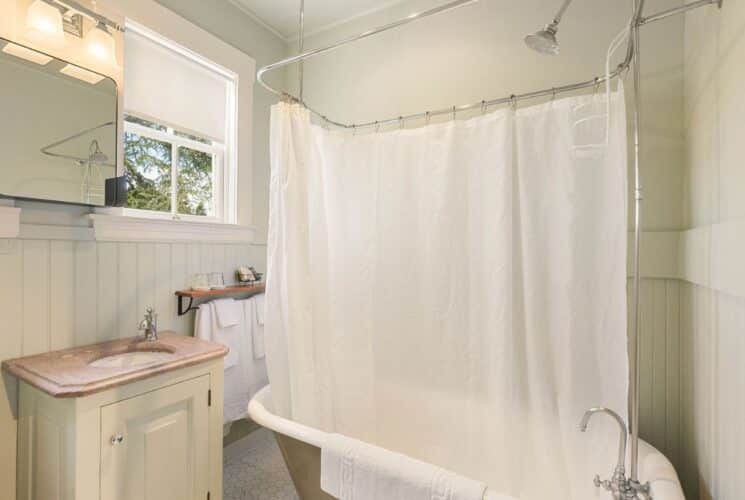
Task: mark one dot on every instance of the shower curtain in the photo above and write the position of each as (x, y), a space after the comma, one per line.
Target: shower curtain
(456, 292)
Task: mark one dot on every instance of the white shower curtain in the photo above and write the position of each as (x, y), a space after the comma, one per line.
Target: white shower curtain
(456, 292)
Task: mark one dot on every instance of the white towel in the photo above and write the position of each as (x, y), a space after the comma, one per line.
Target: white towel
(255, 329)
(259, 310)
(228, 312)
(206, 328)
(243, 376)
(353, 470)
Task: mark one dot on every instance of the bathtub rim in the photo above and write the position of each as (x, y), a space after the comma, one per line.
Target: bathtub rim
(653, 465)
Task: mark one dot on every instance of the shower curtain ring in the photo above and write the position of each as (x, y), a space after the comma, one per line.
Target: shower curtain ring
(354, 129)
(454, 113)
(513, 102)
(427, 117)
(597, 85)
(484, 107)
(401, 122)
(377, 126)
(553, 93)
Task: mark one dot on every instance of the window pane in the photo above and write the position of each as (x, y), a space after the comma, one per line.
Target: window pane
(145, 123)
(195, 181)
(187, 135)
(148, 164)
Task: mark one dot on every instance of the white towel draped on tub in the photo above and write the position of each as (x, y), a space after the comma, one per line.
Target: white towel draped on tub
(244, 375)
(353, 470)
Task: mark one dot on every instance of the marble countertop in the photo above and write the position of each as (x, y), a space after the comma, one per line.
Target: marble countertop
(73, 373)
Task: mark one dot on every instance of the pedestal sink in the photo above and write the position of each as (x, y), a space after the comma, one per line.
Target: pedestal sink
(132, 359)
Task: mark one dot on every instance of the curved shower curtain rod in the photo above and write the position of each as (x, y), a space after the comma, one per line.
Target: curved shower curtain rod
(638, 20)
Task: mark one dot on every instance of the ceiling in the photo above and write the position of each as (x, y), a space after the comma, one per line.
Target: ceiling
(281, 16)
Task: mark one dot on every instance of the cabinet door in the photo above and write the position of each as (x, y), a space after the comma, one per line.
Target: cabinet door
(155, 446)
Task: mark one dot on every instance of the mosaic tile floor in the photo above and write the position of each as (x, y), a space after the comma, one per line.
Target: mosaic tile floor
(253, 469)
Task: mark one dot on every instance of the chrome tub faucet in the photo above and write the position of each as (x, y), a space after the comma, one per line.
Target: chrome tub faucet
(149, 325)
(619, 486)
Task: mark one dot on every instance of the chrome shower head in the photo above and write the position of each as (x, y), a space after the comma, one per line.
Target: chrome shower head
(544, 41)
(95, 155)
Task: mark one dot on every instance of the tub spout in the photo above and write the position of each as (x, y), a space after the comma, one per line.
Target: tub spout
(620, 466)
(620, 487)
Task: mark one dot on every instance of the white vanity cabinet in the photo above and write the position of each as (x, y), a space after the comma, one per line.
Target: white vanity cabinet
(156, 438)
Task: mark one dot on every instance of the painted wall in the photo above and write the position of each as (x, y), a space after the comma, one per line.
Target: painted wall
(477, 52)
(60, 288)
(712, 255)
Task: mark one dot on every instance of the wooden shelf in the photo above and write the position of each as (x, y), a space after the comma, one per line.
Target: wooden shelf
(212, 294)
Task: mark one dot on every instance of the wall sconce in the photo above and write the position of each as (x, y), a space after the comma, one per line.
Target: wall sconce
(44, 23)
(100, 45)
(47, 21)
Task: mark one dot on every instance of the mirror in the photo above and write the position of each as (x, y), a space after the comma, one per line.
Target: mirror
(58, 128)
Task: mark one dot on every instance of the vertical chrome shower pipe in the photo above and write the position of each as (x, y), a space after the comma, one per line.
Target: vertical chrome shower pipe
(301, 46)
(638, 198)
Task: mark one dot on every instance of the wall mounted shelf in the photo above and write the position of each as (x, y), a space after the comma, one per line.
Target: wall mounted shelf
(228, 291)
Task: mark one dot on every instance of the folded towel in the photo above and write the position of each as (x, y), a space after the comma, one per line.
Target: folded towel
(353, 470)
(255, 329)
(228, 312)
(259, 309)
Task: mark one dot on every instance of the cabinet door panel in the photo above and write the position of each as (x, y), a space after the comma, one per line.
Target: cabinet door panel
(155, 446)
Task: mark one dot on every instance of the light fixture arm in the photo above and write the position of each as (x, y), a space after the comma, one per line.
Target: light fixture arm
(66, 5)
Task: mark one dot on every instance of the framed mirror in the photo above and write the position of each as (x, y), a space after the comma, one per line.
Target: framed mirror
(58, 128)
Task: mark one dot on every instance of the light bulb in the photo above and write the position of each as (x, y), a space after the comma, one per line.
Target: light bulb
(44, 23)
(100, 46)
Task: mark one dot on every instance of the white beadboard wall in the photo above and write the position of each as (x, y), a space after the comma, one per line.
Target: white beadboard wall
(712, 249)
(56, 294)
(660, 391)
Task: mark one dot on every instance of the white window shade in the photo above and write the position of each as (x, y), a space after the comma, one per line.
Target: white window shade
(162, 83)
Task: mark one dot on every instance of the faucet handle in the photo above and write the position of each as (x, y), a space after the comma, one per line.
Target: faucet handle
(641, 489)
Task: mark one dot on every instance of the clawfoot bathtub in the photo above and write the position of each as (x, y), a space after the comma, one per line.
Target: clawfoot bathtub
(301, 449)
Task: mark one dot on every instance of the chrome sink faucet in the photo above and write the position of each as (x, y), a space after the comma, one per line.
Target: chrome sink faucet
(150, 325)
(619, 486)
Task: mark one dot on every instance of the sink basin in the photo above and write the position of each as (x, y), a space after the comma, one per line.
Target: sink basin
(132, 359)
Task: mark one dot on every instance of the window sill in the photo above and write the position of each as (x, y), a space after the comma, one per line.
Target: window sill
(109, 227)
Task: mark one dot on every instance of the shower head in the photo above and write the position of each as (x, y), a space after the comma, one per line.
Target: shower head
(544, 41)
(95, 155)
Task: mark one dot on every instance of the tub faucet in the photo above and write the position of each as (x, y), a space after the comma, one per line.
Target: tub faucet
(619, 486)
(150, 325)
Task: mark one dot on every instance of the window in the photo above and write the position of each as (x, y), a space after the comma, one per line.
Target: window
(171, 171)
(179, 131)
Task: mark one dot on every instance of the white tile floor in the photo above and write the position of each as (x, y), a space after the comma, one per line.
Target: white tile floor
(253, 469)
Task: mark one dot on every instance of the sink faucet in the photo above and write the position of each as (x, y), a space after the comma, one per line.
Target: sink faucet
(150, 325)
(619, 486)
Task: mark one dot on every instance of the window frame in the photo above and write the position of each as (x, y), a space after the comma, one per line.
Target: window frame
(225, 193)
(216, 150)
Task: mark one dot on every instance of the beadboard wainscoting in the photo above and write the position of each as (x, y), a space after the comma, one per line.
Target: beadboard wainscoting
(56, 294)
(661, 350)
